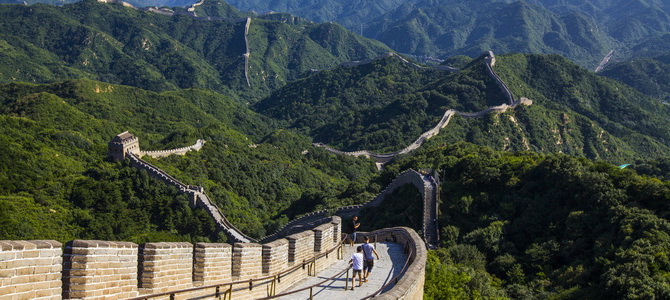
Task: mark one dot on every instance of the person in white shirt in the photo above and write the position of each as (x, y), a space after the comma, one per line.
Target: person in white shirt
(357, 261)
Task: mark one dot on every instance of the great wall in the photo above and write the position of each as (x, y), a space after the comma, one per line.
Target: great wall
(383, 158)
(89, 269)
(305, 246)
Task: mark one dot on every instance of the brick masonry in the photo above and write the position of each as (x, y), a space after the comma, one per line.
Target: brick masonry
(120, 270)
(212, 263)
(30, 269)
(165, 266)
(99, 268)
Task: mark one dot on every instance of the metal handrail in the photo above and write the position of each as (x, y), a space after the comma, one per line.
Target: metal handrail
(393, 280)
(309, 287)
(248, 281)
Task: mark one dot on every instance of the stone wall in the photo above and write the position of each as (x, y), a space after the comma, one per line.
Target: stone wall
(196, 195)
(426, 186)
(410, 284)
(30, 269)
(213, 263)
(120, 270)
(490, 62)
(165, 267)
(178, 151)
(96, 268)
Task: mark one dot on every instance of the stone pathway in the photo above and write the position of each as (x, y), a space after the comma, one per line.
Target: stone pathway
(392, 259)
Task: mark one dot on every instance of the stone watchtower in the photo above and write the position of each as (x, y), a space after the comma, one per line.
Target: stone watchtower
(123, 143)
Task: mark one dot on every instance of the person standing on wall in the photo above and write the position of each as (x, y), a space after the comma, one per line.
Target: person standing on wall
(368, 250)
(352, 228)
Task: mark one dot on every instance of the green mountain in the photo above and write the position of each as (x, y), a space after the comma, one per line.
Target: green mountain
(532, 226)
(217, 9)
(385, 105)
(582, 31)
(137, 3)
(116, 44)
(445, 28)
(351, 14)
(651, 76)
(58, 183)
(627, 21)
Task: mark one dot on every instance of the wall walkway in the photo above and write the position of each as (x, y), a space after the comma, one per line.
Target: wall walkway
(179, 151)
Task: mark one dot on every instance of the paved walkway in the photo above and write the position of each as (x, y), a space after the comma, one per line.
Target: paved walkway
(392, 259)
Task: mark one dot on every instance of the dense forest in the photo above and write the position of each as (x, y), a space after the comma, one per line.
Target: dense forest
(582, 31)
(523, 225)
(116, 44)
(58, 183)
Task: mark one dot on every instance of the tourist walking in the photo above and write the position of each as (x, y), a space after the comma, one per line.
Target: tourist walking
(351, 230)
(357, 264)
(368, 250)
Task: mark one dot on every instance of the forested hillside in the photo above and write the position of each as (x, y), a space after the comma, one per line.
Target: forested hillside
(650, 76)
(58, 184)
(445, 28)
(386, 104)
(582, 31)
(138, 3)
(116, 44)
(532, 226)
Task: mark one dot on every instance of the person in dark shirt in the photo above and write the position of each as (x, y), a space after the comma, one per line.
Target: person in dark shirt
(353, 227)
(368, 250)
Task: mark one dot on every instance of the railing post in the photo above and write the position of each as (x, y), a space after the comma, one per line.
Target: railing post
(274, 286)
(310, 294)
(218, 293)
(346, 283)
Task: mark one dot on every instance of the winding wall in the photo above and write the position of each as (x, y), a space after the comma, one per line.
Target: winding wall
(247, 53)
(383, 158)
(179, 151)
(197, 197)
(426, 184)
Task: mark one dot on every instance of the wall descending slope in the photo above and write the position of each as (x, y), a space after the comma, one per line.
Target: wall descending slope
(426, 184)
(197, 197)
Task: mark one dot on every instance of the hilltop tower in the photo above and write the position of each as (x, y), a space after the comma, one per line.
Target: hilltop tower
(123, 143)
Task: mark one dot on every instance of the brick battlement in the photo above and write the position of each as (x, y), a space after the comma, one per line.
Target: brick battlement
(30, 269)
(118, 270)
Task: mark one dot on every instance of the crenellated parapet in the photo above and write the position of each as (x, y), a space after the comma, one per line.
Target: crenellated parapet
(30, 269)
(123, 270)
(119, 270)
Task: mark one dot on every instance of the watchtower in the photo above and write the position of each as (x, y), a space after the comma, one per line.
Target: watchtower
(123, 143)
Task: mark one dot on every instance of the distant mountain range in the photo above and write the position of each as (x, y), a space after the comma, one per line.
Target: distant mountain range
(386, 104)
(583, 31)
(117, 44)
(138, 3)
